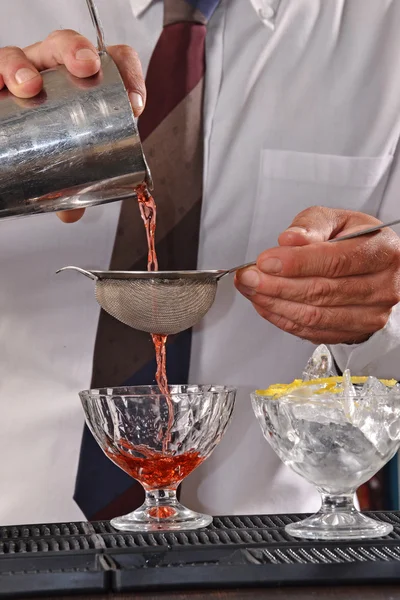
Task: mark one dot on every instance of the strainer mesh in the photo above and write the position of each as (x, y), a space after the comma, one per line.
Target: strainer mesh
(160, 306)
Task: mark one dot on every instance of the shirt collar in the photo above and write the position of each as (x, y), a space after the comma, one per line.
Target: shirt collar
(265, 9)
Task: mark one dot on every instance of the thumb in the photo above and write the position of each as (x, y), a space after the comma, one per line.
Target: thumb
(315, 224)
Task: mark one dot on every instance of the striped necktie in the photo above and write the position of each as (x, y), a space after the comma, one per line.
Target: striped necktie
(171, 130)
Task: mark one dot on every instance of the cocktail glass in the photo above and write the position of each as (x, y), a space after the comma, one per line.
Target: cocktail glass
(159, 439)
(337, 442)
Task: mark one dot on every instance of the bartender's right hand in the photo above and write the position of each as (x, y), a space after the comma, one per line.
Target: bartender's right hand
(20, 71)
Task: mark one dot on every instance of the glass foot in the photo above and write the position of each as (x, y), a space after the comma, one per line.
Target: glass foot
(166, 517)
(339, 526)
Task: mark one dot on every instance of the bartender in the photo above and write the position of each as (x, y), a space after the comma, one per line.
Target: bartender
(300, 131)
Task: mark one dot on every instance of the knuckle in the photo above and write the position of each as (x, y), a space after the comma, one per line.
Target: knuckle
(9, 52)
(286, 325)
(61, 34)
(312, 210)
(320, 291)
(126, 52)
(387, 250)
(265, 301)
(338, 264)
(276, 286)
(290, 326)
(315, 213)
(366, 291)
(311, 316)
(10, 49)
(351, 290)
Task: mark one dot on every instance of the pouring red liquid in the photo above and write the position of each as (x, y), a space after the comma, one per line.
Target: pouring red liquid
(148, 211)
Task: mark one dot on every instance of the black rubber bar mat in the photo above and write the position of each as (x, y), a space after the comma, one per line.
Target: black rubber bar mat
(59, 559)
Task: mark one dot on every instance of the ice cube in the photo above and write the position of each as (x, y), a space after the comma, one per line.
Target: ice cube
(393, 429)
(378, 436)
(320, 364)
(374, 387)
(323, 413)
(348, 387)
(392, 406)
(348, 396)
(376, 413)
(394, 394)
(375, 417)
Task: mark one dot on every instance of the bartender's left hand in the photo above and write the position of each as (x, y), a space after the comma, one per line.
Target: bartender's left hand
(327, 293)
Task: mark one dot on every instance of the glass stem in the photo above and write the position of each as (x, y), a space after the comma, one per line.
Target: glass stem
(336, 503)
(160, 498)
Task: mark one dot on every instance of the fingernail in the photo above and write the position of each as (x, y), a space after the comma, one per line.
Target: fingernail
(271, 265)
(245, 290)
(24, 75)
(87, 54)
(137, 102)
(297, 230)
(250, 278)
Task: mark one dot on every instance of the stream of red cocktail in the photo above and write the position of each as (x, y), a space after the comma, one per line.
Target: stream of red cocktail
(155, 470)
(148, 211)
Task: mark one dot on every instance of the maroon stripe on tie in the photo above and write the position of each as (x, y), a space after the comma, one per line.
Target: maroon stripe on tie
(178, 65)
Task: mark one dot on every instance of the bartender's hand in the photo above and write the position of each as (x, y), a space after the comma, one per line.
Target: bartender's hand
(20, 71)
(327, 293)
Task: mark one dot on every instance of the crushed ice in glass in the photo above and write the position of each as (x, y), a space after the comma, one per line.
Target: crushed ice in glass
(373, 408)
(335, 433)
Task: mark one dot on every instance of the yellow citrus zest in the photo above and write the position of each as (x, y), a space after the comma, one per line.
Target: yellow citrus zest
(326, 384)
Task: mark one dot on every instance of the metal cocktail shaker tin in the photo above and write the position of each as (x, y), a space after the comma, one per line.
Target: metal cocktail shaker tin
(74, 145)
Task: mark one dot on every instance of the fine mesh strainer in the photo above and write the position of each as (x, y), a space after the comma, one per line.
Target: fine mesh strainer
(166, 302)
(161, 302)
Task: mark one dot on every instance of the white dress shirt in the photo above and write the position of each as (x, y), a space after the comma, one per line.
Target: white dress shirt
(302, 108)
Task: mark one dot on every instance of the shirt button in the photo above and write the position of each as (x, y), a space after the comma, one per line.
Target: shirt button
(266, 13)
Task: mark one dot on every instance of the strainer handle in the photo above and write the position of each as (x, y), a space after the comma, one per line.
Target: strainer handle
(83, 271)
(230, 271)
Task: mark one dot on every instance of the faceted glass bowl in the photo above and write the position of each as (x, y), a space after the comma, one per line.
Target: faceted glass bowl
(337, 444)
(158, 440)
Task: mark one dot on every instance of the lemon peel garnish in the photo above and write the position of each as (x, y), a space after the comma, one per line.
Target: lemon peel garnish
(326, 384)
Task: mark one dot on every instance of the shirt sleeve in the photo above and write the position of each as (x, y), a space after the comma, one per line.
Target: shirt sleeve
(380, 355)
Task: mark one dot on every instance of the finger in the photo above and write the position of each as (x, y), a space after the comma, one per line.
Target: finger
(68, 48)
(71, 216)
(130, 68)
(382, 289)
(19, 75)
(319, 224)
(313, 335)
(351, 318)
(359, 256)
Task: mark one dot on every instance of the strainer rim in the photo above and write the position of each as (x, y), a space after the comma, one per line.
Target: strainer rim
(101, 275)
